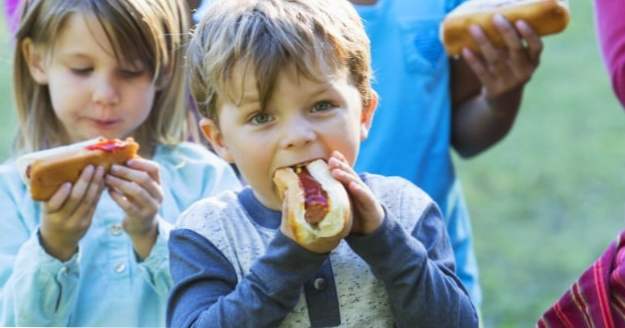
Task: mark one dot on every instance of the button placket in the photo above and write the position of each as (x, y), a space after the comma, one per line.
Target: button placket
(120, 267)
(116, 230)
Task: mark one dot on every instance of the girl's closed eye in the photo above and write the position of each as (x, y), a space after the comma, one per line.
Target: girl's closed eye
(81, 71)
(260, 118)
(130, 73)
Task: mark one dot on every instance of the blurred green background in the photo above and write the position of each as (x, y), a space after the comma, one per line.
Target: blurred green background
(547, 200)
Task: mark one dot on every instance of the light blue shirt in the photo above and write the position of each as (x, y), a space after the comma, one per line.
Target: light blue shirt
(103, 284)
(410, 135)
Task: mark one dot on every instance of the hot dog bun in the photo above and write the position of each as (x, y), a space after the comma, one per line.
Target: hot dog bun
(336, 222)
(45, 171)
(544, 16)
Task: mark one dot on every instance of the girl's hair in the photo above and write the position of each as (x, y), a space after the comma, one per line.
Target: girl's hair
(267, 36)
(151, 31)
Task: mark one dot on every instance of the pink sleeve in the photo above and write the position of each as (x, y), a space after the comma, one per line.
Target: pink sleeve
(11, 13)
(611, 29)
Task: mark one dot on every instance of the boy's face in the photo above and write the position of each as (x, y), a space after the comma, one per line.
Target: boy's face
(304, 120)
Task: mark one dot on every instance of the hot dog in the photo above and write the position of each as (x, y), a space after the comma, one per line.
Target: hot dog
(544, 16)
(45, 171)
(318, 207)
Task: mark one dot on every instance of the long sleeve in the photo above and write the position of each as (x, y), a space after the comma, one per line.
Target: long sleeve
(207, 292)
(155, 267)
(611, 30)
(35, 288)
(418, 273)
(41, 290)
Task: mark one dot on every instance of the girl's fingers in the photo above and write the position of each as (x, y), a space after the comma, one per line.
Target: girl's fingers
(133, 192)
(141, 178)
(58, 199)
(150, 167)
(92, 196)
(80, 189)
(123, 202)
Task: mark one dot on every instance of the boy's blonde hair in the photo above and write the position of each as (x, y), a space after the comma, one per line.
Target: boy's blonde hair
(267, 36)
(151, 31)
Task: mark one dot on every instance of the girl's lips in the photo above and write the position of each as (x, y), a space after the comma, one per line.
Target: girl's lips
(104, 124)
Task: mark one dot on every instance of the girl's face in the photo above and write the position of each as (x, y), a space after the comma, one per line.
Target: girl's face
(92, 93)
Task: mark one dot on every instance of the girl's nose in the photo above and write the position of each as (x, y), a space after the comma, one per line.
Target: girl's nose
(105, 92)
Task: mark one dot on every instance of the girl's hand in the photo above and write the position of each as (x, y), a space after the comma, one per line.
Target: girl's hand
(506, 69)
(367, 211)
(68, 214)
(136, 189)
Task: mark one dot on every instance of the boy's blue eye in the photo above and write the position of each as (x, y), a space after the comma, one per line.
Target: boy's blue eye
(322, 106)
(261, 118)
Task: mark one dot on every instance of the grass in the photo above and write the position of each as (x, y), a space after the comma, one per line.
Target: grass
(548, 199)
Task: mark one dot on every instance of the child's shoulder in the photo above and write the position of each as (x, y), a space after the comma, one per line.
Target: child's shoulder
(187, 153)
(399, 196)
(207, 212)
(394, 186)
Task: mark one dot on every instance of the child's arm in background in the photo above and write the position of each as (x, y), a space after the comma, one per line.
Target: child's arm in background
(611, 30)
(38, 289)
(207, 292)
(418, 272)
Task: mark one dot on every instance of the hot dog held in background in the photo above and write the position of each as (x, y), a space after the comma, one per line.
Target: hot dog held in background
(45, 171)
(544, 16)
(317, 206)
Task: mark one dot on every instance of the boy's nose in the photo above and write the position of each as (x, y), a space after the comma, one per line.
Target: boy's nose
(105, 93)
(298, 134)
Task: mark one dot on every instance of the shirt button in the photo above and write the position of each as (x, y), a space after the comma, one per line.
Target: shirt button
(116, 229)
(120, 267)
(319, 284)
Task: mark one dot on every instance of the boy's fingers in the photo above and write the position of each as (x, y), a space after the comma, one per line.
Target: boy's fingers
(477, 66)
(508, 33)
(534, 42)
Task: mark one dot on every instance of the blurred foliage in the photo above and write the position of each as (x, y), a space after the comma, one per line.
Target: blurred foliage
(7, 114)
(547, 200)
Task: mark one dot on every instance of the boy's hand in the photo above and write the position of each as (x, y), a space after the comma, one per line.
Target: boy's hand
(367, 211)
(136, 189)
(506, 69)
(68, 214)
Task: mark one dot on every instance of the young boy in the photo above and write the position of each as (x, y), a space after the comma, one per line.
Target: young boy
(282, 83)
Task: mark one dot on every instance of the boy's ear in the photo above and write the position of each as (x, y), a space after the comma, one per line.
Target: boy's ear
(34, 57)
(211, 132)
(366, 117)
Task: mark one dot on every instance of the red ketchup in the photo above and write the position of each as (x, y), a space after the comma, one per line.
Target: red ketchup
(316, 199)
(107, 145)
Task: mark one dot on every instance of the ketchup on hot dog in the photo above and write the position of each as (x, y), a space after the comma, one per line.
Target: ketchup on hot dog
(316, 199)
(107, 145)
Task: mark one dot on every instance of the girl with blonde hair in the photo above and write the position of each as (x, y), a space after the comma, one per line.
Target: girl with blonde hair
(88, 68)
